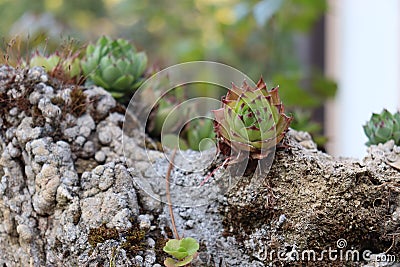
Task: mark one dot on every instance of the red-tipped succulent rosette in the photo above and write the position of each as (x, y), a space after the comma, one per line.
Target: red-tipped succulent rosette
(251, 120)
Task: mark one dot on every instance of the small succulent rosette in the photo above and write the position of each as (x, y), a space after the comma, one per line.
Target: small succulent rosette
(250, 122)
(68, 65)
(382, 128)
(199, 134)
(114, 65)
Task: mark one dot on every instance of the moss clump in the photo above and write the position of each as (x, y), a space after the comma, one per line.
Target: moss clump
(134, 239)
(101, 234)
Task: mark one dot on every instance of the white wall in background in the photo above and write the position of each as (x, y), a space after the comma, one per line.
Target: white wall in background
(363, 55)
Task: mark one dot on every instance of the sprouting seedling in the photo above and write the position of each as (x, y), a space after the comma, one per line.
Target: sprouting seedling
(183, 250)
(382, 128)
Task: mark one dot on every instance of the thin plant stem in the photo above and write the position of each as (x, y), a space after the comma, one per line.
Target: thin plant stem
(171, 212)
(214, 171)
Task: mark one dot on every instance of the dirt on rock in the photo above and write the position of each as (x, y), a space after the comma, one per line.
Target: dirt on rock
(312, 201)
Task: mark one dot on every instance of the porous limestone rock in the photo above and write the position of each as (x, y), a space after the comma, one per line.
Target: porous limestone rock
(77, 190)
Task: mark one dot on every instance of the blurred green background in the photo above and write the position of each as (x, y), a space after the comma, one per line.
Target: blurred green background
(282, 40)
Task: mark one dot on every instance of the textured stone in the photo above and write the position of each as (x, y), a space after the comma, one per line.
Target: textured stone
(70, 177)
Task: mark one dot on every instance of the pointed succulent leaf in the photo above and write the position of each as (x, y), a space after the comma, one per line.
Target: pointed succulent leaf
(111, 73)
(123, 83)
(116, 94)
(99, 81)
(140, 63)
(90, 49)
(384, 133)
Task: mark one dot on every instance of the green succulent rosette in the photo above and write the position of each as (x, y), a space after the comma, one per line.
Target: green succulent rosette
(251, 121)
(382, 128)
(114, 65)
(56, 62)
(198, 130)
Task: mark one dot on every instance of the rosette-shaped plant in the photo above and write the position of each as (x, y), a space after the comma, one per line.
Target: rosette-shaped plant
(251, 120)
(114, 65)
(57, 64)
(184, 250)
(382, 128)
(198, 130)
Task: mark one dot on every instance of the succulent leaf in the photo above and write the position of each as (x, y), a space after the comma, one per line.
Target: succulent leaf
(169, 262)
(251, 120)
(198, 130)
(382, 128)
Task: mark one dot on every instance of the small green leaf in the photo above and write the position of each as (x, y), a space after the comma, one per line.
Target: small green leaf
(172, 245)
(169, 262)
(190, 244)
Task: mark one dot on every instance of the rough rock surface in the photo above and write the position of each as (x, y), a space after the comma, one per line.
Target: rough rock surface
(69, 196)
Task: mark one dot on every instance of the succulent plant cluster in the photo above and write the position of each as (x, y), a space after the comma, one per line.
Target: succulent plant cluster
(251, 120)
(169, 121)
(382, 128)
(114, 65)
(184, 250)
(58, 64)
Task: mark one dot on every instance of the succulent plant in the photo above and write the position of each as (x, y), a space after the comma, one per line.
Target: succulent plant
(184, 250)
(114, 65)
(198, 130)
(251, 120)
(167, 107)
(382, 128)
(68, 65)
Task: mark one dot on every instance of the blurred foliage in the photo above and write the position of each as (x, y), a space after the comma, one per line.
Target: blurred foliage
(258, 37)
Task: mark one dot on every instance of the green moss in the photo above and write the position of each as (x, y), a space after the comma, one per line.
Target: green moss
(101, 234)
(135, 238)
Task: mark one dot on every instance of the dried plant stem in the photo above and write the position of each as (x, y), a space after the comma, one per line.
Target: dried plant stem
(171, 212)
